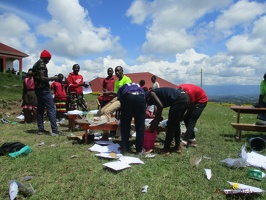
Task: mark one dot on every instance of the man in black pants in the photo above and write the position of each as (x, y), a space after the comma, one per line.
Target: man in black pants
(178, 101)
(133, 104)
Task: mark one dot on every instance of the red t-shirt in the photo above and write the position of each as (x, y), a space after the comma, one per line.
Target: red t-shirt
(73, 83)
(59, 90)
(195, 93)
(108, 83)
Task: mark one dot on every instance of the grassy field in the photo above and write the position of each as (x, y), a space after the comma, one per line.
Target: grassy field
(56, 175)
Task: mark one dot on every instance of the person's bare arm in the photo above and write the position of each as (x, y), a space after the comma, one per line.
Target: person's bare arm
(159, 105)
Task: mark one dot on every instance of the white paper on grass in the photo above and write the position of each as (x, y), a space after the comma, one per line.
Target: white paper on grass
(257, 160)
(208, 173)
(117, 165)
(105, 149)
(87, 90)
(242, 188)
(107, 155)
(13, 190)
(131, 160)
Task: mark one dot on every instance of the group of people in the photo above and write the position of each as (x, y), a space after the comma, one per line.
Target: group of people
(38, 96)
(129, 100)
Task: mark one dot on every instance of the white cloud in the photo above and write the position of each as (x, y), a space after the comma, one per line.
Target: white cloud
(71, 33)
(18, 35)
(242, 12)
(170, 21)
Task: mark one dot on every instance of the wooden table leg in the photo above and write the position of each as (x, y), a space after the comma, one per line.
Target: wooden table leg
(86, 136)
(238, 132)
(71, 124)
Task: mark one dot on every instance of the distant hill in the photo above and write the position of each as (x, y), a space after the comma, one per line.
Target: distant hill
(238, 94)
(232, 90)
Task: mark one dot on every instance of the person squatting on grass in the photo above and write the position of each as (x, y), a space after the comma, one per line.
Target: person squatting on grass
(133, 104)
(178, 101)
(43, 93)
(75, 83)
(58, 88)
(198, 101)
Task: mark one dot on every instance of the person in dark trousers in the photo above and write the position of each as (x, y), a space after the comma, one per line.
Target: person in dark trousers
(178, 101)
(133, 104)
(198, 101)
(43, 93)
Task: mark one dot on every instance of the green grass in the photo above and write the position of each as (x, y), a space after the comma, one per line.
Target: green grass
(58, 176)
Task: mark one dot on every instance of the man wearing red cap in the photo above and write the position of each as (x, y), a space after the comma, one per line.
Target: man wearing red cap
(44, 96)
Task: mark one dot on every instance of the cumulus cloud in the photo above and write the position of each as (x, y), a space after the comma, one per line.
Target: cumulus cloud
(16, 36)
(71, 33)
(167, 30)
(242, 12)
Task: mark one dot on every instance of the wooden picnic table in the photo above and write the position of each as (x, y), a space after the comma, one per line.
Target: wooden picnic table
(87, 126)
(245, 126)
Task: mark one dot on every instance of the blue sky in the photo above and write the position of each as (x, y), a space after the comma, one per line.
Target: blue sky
(173, 39)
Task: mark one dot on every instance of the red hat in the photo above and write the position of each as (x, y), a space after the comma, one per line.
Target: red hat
(45, 54)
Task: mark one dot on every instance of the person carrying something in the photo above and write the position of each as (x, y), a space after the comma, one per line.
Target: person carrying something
(198, 101)
(178, 101)
(75, 83)
(58, 88)
(133, 104)
(44, 96)
(29, 99)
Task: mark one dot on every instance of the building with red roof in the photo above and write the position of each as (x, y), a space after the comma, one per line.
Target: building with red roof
(96, 84)
(8, 55)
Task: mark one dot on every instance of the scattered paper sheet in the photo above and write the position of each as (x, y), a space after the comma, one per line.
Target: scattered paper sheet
(145, 188)
(242, 189)
(247, 159)
(105, 149)
(208, 173)
(257, 160)
(111, 155)
(87, 90)
(117, 165)
(131, 160)
(13, 190)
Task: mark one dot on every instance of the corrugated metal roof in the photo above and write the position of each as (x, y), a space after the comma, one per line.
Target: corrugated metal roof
(135, 77)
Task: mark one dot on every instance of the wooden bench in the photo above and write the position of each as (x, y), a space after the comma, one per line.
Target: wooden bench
(244, 126)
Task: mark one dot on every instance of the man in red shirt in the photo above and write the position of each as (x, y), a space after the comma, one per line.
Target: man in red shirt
(108, 86)
(198, 101)
(75, 83)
